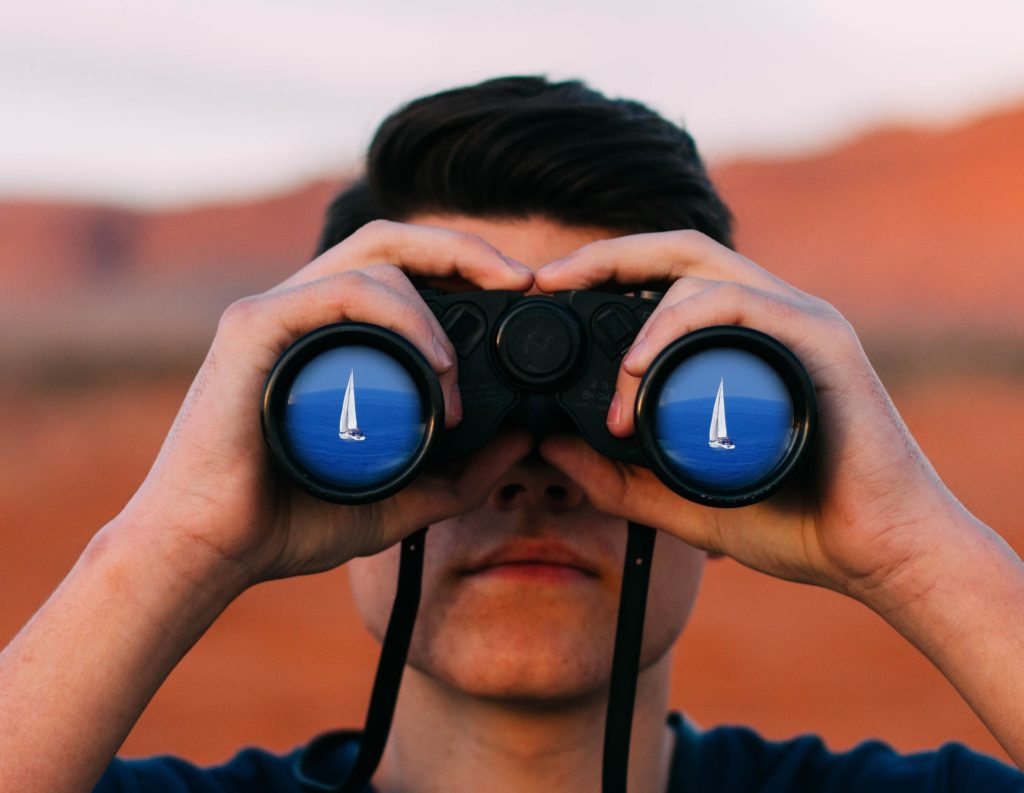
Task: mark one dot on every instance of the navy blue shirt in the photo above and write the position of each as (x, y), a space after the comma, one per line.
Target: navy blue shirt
(722, 760)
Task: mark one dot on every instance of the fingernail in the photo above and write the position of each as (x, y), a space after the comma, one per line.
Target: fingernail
(442, 355)
(615, 410)
(455, 406)
(635, 352)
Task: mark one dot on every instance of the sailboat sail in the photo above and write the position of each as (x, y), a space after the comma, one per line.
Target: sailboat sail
(718, 435)
(348, 425)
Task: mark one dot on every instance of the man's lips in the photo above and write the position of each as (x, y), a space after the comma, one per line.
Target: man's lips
(533, 560)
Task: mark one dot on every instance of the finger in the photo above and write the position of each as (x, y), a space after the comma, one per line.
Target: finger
(272, 321)
(441, 494)
(631, 492)
(620, 417)
(423, 251)
(796, 324)
(620, 411)
(800, 322)
(660, 256)
(393, 277)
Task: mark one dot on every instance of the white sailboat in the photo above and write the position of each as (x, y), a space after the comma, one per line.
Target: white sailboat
(348, 426)
(718, 435)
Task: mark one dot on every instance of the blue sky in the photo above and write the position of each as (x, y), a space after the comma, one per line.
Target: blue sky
(148, 103)
(373, 369)
(744, 375)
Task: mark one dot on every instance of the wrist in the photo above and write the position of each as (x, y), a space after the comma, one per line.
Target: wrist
(171, 563)
(958, 562)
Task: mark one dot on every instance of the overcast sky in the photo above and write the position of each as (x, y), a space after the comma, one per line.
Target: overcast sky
(138, 102)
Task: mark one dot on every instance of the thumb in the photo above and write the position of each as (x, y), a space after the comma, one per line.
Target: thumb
(631, 492)
(458, 486)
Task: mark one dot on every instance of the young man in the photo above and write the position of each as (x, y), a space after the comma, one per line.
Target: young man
(525, 185)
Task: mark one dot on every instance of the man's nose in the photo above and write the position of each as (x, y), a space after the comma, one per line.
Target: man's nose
(534, 484)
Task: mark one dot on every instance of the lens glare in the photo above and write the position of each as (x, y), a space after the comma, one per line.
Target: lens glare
(724, 418)
(354, 417)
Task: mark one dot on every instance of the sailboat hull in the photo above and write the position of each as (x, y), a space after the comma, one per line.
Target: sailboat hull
(722, 443)
(352, 435)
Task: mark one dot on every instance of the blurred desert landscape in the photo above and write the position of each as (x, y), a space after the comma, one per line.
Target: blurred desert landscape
(916, 235)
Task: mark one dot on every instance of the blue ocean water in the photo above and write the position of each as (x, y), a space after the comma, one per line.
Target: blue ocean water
(760, 428)
(392, 421)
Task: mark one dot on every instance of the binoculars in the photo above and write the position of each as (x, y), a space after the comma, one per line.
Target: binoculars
(352, 412)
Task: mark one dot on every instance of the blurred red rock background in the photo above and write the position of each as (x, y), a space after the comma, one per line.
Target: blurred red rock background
(917, 236)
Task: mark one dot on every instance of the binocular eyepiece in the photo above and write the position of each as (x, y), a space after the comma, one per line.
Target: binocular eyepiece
(353, 412)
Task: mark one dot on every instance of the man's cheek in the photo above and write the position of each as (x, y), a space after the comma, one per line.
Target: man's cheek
(373, 580)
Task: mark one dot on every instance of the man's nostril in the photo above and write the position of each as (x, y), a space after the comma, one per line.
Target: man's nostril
(510, 491)
(557, 493)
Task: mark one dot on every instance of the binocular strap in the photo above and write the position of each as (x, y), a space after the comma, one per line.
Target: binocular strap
(395, 649)
(629, 631)
(393, 653)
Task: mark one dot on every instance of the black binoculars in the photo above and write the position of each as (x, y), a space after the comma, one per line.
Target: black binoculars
(353, 412)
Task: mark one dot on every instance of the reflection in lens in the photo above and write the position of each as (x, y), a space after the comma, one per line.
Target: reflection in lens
(725, 418)
(354, 417)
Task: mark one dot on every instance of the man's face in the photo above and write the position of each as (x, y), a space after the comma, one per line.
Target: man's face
(520, 596)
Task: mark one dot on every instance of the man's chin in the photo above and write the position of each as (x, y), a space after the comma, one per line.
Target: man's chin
(531, 648)
(539, 681)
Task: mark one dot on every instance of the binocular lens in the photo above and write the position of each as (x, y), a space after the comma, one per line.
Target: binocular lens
(725, 415)
(346, 415)
(724, 418)
(354, 416)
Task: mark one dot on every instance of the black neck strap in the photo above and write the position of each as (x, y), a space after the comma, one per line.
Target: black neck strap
(395, 649)
(618, 725)
(393, 653)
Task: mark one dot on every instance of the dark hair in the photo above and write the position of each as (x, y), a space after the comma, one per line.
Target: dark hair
(520, 146)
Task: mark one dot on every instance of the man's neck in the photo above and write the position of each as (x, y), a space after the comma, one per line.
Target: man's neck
(446, 741)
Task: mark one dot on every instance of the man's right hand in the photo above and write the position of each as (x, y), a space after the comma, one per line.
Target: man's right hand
(213, 484)
(214, 516)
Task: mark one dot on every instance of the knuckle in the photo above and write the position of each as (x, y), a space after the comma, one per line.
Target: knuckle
(787, 311)
(691, 238)
(686, 286)
(390, 274)
(840, 326)
(240, 315)
(351, 285)
(729, 291)
(424, 326)
(674, 318)
(374, 235)
(376, 227)
(407, 317)
(349, 291)
(827, 311)
(667, 321)
(597, 248)
(470, 245)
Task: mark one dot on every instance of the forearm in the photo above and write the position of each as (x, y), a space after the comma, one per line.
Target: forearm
(964, 609)
(76, 678)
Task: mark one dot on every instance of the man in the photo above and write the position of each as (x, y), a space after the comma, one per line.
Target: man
(531, 186)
